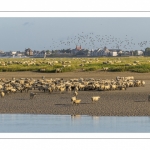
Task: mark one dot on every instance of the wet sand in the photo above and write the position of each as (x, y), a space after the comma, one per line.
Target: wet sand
(132, 102)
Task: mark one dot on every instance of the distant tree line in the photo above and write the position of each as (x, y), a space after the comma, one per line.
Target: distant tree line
(147, 51)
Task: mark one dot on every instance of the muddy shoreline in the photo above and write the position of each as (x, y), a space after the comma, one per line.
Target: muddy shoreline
(132, 102)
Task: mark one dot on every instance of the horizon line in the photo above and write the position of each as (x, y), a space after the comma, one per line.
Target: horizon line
(72, 11)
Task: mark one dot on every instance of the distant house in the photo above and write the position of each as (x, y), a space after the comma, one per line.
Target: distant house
(76, 50)
(119, 52)
(28, 52)
(97, 52)
(10, 53)
(19, 55)
(105, 52)
(139, 52)
(78, 47)
(35, 52)
(13, 53)
(2, 53)
(113, 53)
(83, 52)
(41, 54)
(126, 53)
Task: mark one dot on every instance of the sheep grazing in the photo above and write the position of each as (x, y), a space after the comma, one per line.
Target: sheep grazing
(68, 88)
(77, 101)
(42, 70)
(58, 70)
(2, 94)
(13, 90)
(75, 93)
(95, 98)
(105, 68)
(62, 89)
(32, 95)
(73, 98)
(142, 83)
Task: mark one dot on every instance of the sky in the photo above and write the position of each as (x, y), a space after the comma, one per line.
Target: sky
(53, 33)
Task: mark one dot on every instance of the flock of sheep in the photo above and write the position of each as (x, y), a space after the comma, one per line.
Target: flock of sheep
(60, 85)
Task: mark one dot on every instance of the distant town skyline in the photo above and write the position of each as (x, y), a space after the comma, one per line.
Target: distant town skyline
(52, 33)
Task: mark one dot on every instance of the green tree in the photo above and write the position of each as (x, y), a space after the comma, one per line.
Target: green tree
(135, 53)
(47, 51)
(147, 51)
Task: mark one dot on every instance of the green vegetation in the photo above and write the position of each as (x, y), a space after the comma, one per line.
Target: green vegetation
(114, 64)
(147, 51)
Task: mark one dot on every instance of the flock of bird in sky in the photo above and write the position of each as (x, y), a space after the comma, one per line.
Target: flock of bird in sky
(92, 41)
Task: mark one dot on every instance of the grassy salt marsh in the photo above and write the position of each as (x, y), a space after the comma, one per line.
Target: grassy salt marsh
(114, 64)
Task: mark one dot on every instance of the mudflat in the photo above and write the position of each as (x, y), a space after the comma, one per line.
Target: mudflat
(130, 102)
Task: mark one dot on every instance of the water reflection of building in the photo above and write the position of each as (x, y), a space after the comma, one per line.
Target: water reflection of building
(95, 117)
(96, 120)
(75, 116)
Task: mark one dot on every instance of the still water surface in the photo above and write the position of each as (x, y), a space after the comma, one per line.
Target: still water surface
(27, 123)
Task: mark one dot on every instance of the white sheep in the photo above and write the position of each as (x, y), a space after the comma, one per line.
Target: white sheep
(95, 98)
(1, 86)
(113, 87)
(58, 70)
(73, 98)
(42, 70)
(129, 78)
(107, 87)
(2, 94)
(50, 89)
(142, 83)
(75, 93)
(62, 89)
(77, 101)
(13, 90)
(105, 68)
(69, 88)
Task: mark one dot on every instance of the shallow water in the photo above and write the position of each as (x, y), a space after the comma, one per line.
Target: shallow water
(25, 123)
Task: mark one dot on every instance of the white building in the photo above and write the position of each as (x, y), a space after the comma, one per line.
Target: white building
(113, 53)
(139, 52)
(13, 53)
(105, 52)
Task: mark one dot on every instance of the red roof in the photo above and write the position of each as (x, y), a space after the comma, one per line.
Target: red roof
(78, 47)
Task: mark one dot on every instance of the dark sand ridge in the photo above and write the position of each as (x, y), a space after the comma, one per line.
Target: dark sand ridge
(132, 102)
